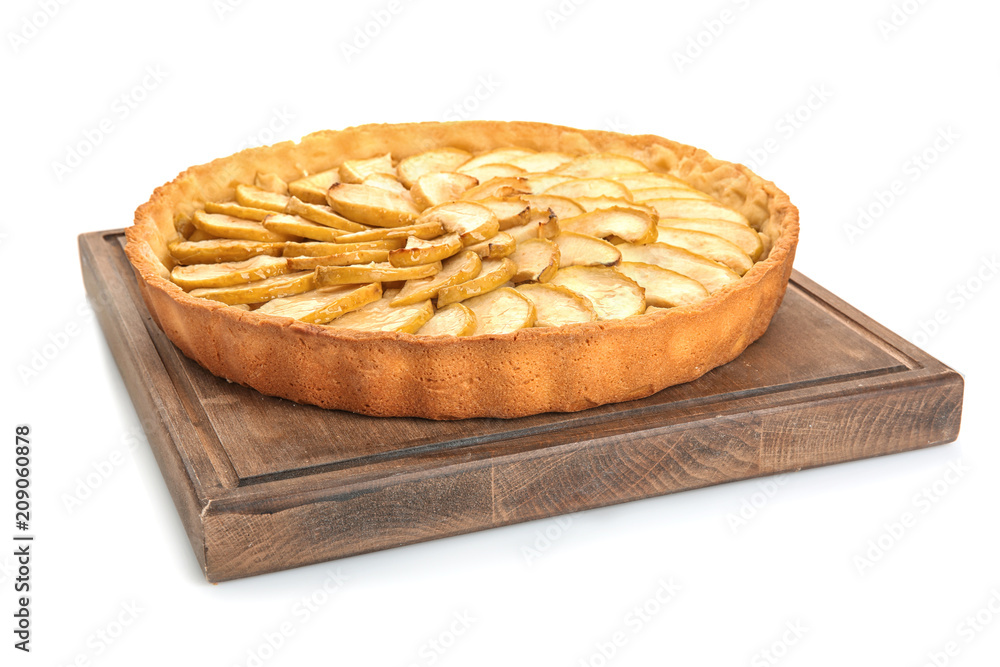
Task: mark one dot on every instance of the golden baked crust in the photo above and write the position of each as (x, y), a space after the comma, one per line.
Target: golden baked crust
(526, 372)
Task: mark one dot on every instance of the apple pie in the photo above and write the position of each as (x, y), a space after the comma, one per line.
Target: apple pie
(468, 269)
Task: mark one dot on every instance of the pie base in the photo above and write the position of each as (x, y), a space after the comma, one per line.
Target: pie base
(530, 371)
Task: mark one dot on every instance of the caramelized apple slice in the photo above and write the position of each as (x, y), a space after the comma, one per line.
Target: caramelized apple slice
(664, 288)
(454, 270)
(485, 172)
(563, 207)
(540, 162)
(649, 179)
(226, 226)
(318, 249)
(694, 208)
(224, 274)
(628, 224)
(537, 260)
(387, 182)
(543, 225)
(319, 306)
(590, 187)
(502, 311)
(707, 245)
(739, 234)
(424, 230)
(419, 252)
(372, 273)
(712, 275)
(600, 165)
(589, 204)
(440, 187)
(221, 250)
(494, 273)
(453, 320)
(496, 187)
(498, 156)
(348, 258)
(371, 206)
(585, 250)
(252, 197)
(555, 305)
(539, 183)
(510, 211)
(201, 235)
(665, 192)
(382, 316)
(355, 171)
(471, 221)
(613, 295)
(312, 189)
(261, 290)
(271, 183)
(441, 159)
(321, 215)
(237, 211)
(501, 245)
(294, 225)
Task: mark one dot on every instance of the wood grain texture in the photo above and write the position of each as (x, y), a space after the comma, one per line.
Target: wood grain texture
(263, 484)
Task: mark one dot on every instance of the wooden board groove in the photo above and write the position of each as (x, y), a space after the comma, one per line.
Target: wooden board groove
(263, 484)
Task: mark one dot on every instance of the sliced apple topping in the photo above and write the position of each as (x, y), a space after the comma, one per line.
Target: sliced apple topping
(318, 249)
(345, 258)
(536, 163)
(371, 206)
(707, 245)
(224, 274)
(589, 204)
(585, 250)
(423, 230)
(504, 186)
(664, 288)
(543, 225)
(510, 211)
(497, 156)
(537, 260)
(419, 252)
(613, 295)
(539, 183)
(453, 320)
(387, 182)
(556, 306)
(694, 208)
(440, 187)
(260, 291)
(563, 207)
(221, 250)
(372, 273)
(501, 311)
(649, 179)
(485, 172)
(294, 225)
(494, 273)
(319, 306)
(237, 211)
(253, 197)
(664, 192)
(501, 245)
(471, 221)
(630, 225)
(271, 183)
(355, 171)
(321, 214)
(441, 159)
(226, 226)
(312, 189)
(590, 187)
(454, 271)
(381, 315)
(737, 233)
(712, 275)
(600, 165)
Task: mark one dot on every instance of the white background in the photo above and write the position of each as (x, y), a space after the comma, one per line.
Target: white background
(268, 71)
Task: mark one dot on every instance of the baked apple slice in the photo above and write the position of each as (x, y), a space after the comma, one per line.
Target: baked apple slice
(537, 260)
(496, 187)
(471, 221)
(419, 252)
(347, 258)
(321, 214)
(502, 311)
(441, 159)
(440, 187)
(234, 209)
(613, 295)
(312, 189)
(319, 306)
(355, 171)
(372, 273)
(485, 172)
(254, 197)
(736, 233)
(649, 179)
(293, 225)
(493, 274)
(563, 207)
(382, 316)
(667, 192)
(453, 320)
(423, 230)
(664, 288)
(224, 274)
(226, 226)
(501, 245)
(270, 183)
(712, 275)
(498, 156)
(585, 250)
(260, 291)
(221, 250)
(455, 270)
(555, 305)
(631, 225)
(590, 187)
(543, 225)
(694, 208)
(600, 165)
(536, 163)
(707, 245)
(317, 249)
(368, 205)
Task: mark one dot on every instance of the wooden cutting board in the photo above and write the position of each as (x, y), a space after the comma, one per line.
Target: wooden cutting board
(263, 484)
